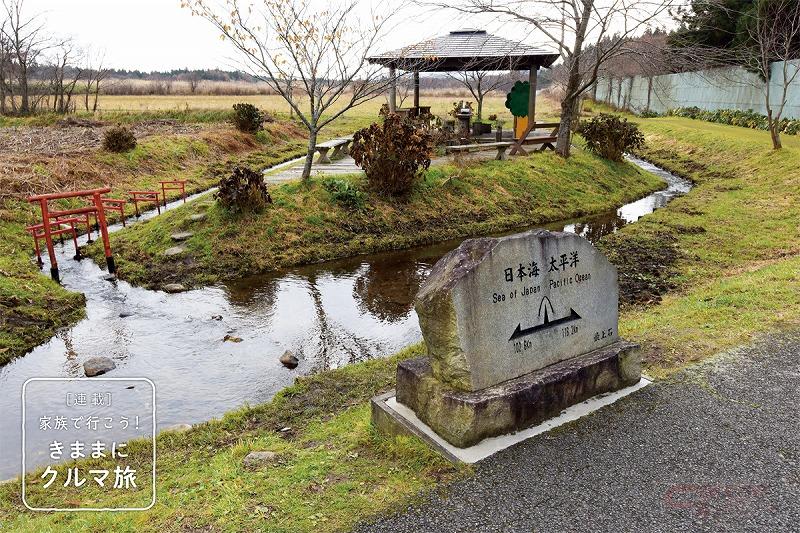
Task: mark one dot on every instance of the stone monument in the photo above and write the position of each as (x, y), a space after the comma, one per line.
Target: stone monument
(517, 329)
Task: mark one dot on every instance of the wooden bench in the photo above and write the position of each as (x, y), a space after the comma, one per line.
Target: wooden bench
(500, 146)
(545, 141)
(339, 146)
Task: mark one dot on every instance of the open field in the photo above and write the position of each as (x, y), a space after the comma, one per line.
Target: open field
(440, 105)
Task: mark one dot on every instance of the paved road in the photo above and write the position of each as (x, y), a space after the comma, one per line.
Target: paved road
(715, 449)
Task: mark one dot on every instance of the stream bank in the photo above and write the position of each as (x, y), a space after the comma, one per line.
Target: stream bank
(306, 224)
(329, 314)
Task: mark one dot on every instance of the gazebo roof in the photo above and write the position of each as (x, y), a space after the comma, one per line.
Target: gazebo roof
(466, 50)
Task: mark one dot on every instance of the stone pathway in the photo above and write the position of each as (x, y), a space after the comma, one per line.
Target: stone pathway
(346, 165)
(716, 448)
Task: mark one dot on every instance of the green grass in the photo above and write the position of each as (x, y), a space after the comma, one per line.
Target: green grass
(32, 307)
(737, 233)
(305, 225)
(333, 469)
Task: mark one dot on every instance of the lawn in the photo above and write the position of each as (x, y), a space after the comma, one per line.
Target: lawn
(737, 236)
(332, 470)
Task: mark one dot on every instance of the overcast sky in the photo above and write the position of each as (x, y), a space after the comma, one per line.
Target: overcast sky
(160, 35)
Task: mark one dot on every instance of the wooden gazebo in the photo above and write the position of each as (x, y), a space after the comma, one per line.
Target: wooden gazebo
(465, 51)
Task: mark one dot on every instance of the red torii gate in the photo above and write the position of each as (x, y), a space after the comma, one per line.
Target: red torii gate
(97, 208)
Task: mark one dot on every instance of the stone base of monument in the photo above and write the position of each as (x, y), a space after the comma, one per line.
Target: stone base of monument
(463, 419)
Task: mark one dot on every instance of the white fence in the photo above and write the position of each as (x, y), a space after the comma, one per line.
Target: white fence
(732, 88)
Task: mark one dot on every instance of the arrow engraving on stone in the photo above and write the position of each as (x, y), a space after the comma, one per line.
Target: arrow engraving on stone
(547, 324)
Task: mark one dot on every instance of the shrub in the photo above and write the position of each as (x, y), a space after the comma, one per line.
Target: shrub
(244, 190)
(649, 114)
(248, 118)
(119, 139)
(734, 117)
(392, 154)
(345, 194)
(609, 136)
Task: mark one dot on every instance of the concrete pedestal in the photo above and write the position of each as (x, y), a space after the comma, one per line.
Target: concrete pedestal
(466, 418)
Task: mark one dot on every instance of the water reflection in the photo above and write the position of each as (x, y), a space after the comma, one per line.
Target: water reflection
(329, 314)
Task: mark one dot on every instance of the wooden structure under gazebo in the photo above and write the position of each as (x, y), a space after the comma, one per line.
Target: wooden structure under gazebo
(465, 51)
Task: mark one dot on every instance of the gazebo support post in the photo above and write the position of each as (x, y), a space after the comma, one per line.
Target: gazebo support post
(392, 89)
(533, 77)
(416, 91)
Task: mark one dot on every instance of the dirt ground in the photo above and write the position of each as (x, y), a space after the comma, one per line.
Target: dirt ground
(72, 135)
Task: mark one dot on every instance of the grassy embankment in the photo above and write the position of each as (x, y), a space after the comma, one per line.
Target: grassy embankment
(305, 224)
(737, 237)
(332, 471)
(32, 307)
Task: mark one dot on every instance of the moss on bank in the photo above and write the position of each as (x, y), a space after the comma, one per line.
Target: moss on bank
(32, 307)
(305, 225)
(333, 469)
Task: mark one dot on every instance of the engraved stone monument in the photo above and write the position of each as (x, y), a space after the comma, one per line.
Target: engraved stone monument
(517, 329)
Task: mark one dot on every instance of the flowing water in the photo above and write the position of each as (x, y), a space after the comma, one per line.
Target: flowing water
(328, 314)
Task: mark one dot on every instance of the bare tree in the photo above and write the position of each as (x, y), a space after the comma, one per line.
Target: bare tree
(26, 41)
(6, 74)
(773, 35)
(193, 78)
(587, 33)
(96, 75)
(479, 83)
(64, 74)
(291, 45)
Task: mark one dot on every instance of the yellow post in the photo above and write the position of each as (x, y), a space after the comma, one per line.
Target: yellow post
(520, 126)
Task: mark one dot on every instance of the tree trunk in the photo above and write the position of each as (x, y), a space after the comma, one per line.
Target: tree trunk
(312, 147)
(649, 91)
(24, 106)
(480, 107)
(774, 130)
(565, 128)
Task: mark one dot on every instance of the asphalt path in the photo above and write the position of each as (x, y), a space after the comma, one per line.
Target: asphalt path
(715, 448)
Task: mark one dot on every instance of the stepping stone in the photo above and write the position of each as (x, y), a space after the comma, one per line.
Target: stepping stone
(289, 360)
(257, 459)
(177, 428)
(197, 217)
(174, 251)
(182, 236)
(231, 338)
(97, 366)
(172, 288)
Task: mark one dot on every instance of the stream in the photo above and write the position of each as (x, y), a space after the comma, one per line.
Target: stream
(328, 314)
